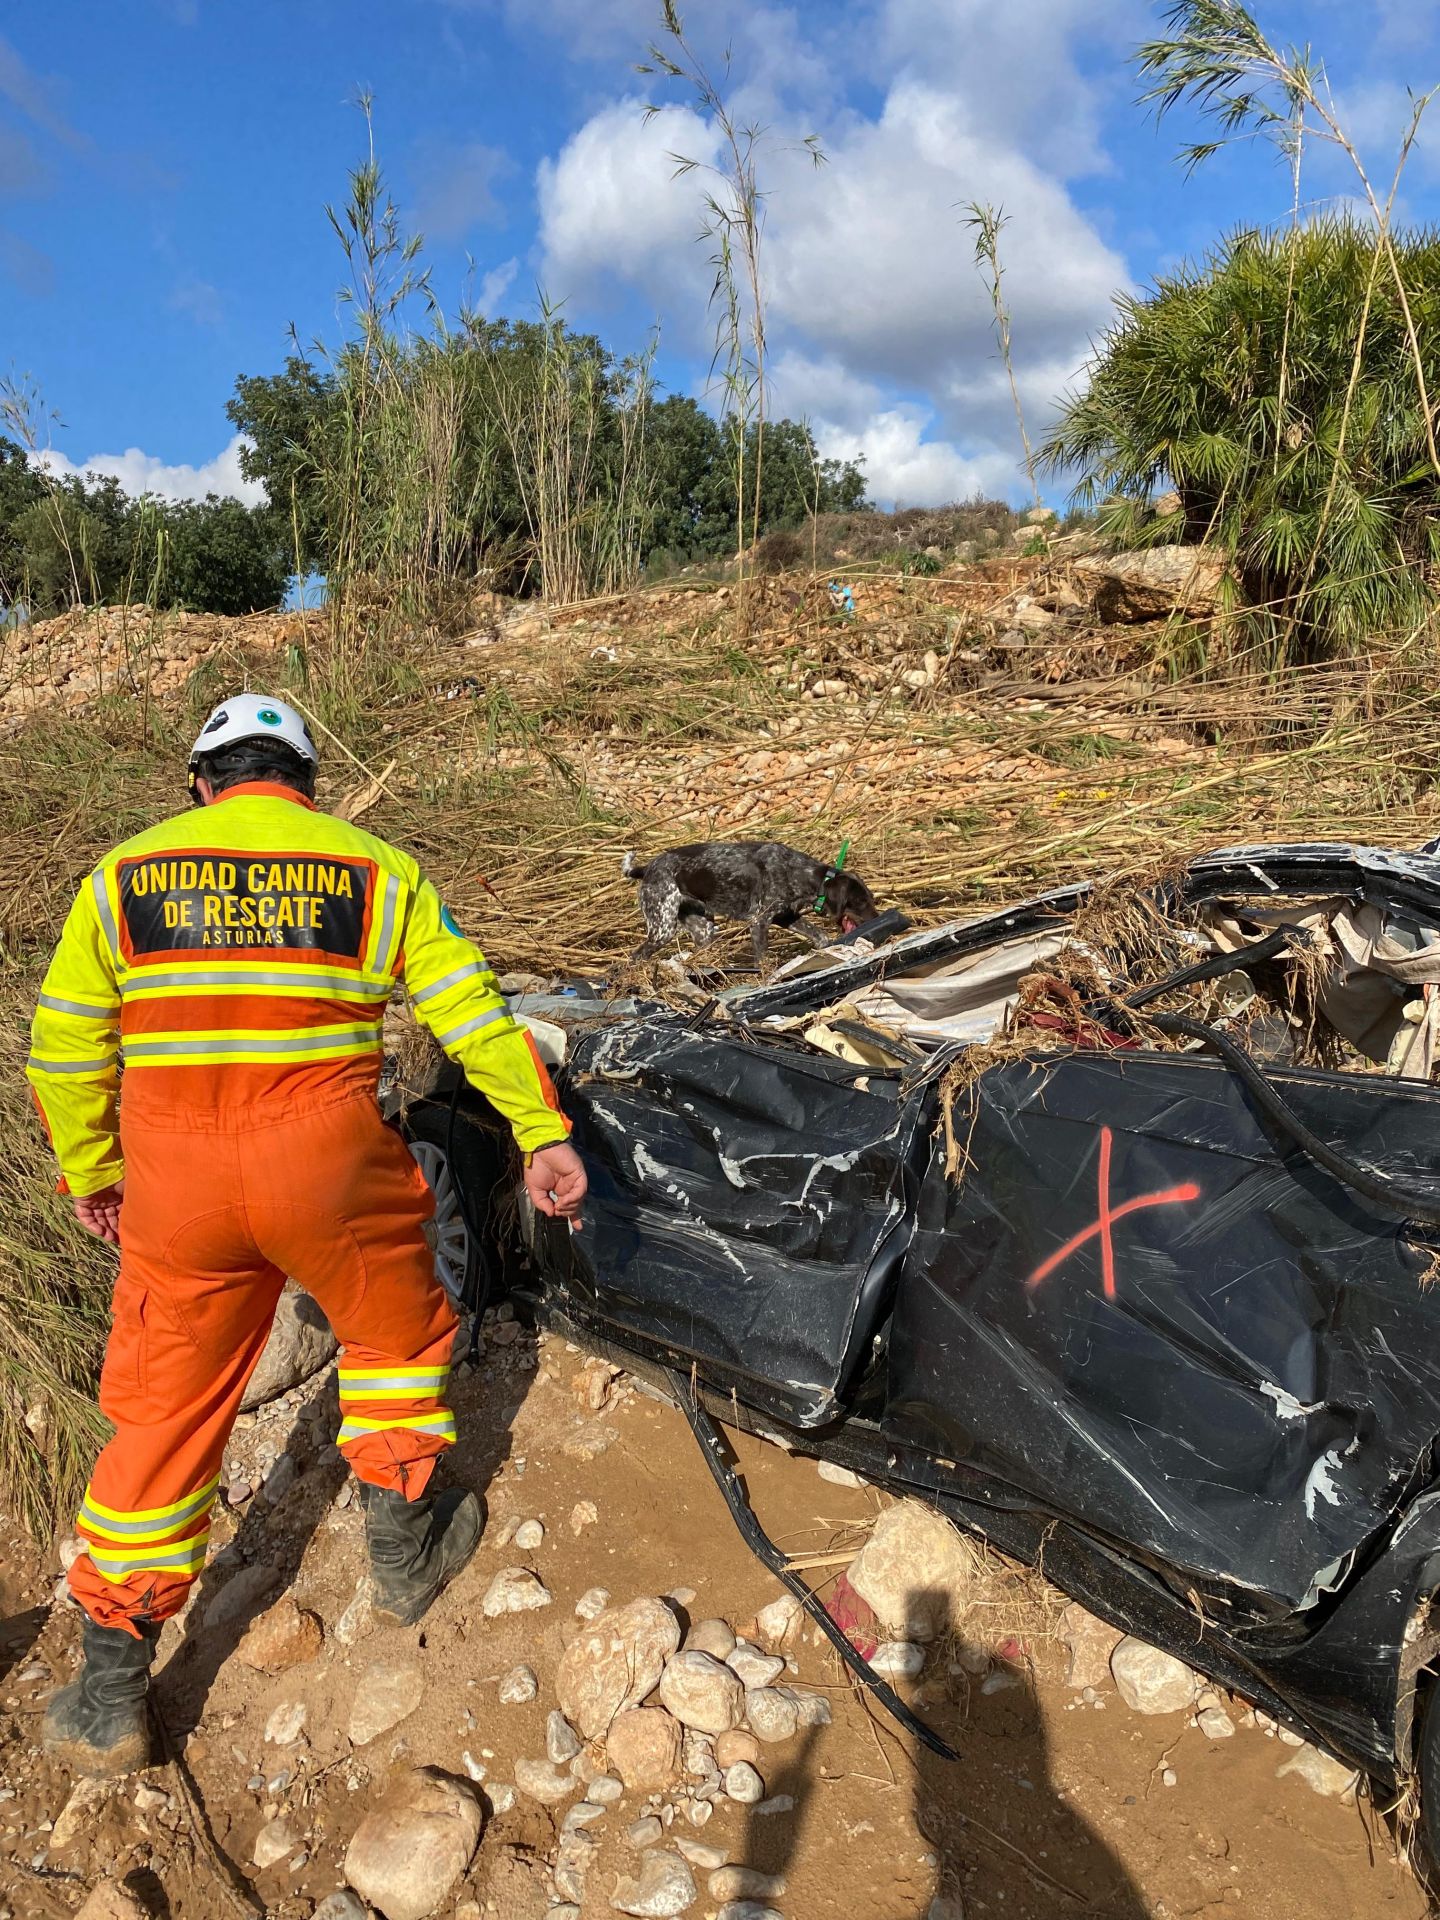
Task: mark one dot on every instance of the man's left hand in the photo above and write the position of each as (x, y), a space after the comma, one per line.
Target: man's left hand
(99, 1213)
(555, 1180)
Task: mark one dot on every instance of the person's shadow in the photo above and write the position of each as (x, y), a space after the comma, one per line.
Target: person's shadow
(1001, 1832)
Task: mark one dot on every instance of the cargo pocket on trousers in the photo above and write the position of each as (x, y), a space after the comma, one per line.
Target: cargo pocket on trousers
(125, 1351)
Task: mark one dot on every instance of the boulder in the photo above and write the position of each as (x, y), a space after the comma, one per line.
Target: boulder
(412, 1847)
(615, 1663)
(300, 1344)
(702, 1692)
(663, 1887)
(1090, 1643)
(1148, 585)
(283, 1636)
(643, 1746)
(915, 1572)
(1151, 1681)
(387, 1693)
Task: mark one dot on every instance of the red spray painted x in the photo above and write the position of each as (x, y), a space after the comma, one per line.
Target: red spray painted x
(1101, 1230)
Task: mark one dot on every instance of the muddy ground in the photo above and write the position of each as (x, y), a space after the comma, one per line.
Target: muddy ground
(1059, 1806)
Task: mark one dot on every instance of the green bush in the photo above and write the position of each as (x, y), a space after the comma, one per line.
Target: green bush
(1232, 382)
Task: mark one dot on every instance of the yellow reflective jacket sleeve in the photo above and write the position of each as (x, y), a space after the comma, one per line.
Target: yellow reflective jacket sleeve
(453, 992)
(73, 1067)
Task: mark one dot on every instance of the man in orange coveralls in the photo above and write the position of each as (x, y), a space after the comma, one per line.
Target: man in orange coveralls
(239, 958)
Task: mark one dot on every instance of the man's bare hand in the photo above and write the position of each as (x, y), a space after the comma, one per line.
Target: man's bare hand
(99, 1213)
(555, 1180)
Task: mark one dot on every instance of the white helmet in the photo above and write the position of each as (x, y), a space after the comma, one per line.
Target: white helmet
(252, 716)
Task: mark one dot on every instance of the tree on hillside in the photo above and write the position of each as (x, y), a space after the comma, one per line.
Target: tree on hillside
(1274, 387)
(20, 489)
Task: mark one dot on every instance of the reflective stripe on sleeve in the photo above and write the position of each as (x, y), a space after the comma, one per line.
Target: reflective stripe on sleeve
(387, 924)
(466, 972)
(35, 1064)
(103, 908)
(77, 1007)
(467, 1027)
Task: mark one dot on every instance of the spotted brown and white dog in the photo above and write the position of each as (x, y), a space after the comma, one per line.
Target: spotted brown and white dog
(760, 882)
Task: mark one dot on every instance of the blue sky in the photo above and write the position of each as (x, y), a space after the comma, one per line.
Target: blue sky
(164, 166)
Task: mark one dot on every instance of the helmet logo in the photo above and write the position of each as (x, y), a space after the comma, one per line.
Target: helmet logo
(216, 721)
(269, 716)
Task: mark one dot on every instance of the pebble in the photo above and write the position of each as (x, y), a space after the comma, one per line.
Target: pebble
(771, 1714)
(1215, 1723)
(1289, 1739)
(702, 1692)
(583, 1514)
(777, 1803)
(514, 1590)
(283, 1636)
(387, 1693)
(76, 1817)
(592, 1603)
(701, 1854)
(745, 1883)
(682, 1596)
(1169, 1777)
(735, 1747)
(643, 1746)
(838, 1476)
(780, 1621)
(1330, 1778)
(710, 1636)
(272, 1843)
(900, 1659)
(743, 1784)
(1150, 1681)
(529, 1535)
(747, 1910)
(584, 1813)
(562, 1743)
(279, 1480)
(605, 1789)
(472, 1766)
(664, 1887)
(543, 1782)
(811, 1709)
(501, 1798)
(1089, 1643)
(755, 1669)
(286, 1723)
(342, 1905)
(238, 1492)
(698, 1812)
(415, 1843)
(357, 1619)
(567, 1910)
(517, 1687)
(646, 1832)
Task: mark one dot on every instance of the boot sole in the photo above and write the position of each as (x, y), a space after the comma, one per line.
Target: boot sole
(129, 1755)
(394, 1615)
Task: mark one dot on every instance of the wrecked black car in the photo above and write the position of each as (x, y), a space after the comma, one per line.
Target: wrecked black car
(1105, 1224)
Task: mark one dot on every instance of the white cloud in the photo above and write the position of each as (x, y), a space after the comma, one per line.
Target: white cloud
(880, 328)
(904, 469)
(140, 473)
(203, 302)
(490, 294)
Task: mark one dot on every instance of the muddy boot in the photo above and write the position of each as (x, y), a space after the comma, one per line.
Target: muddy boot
(97, 1725)
(416, 1547)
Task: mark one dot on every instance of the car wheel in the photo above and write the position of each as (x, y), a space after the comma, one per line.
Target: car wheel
(446, 1232)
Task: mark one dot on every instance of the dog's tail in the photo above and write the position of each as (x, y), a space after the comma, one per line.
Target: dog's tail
(632, 868)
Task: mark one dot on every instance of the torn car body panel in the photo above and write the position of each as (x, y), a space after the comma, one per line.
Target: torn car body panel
(1118, 1319)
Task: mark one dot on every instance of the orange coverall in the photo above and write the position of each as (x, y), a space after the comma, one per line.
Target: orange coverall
(238, 959)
